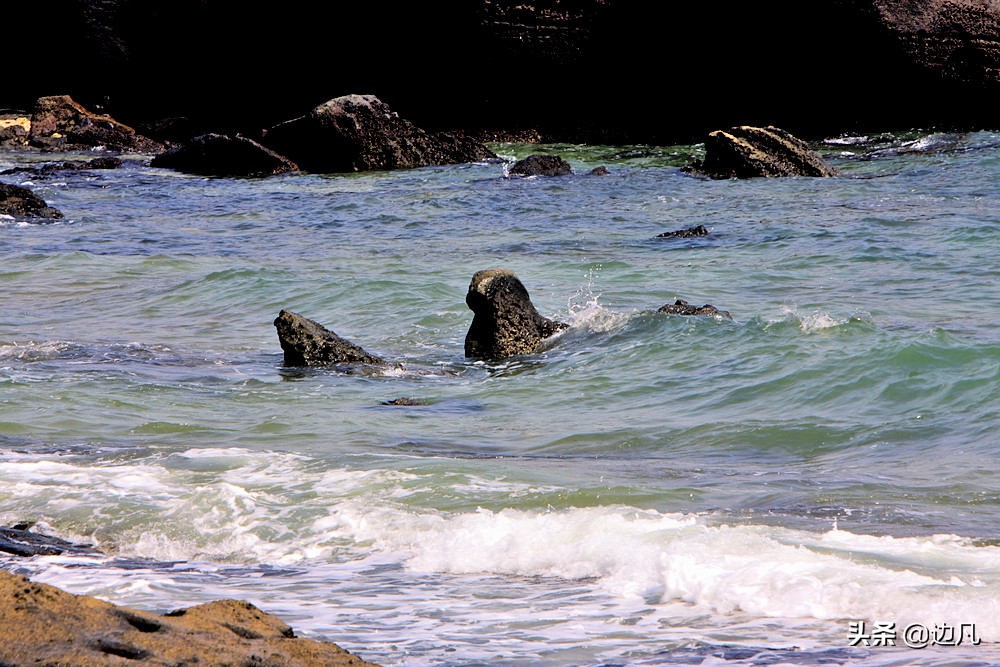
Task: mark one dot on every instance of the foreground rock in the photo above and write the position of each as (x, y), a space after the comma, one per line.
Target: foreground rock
(21, 202)
(43, 625)
(681, 307)
(222, 155)
(361, 133)
(54, 167)
(541, 165)
(308, 343)
(749, 152)
(19, 540)
(59, 122)
(505, 322)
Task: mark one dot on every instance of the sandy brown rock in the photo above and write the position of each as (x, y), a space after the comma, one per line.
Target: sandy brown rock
(505, 323)
(43, 625)
(306, 342)
(59, 122)
(749, 152)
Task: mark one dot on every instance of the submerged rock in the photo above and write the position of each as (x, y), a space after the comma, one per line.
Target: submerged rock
(690, 232)
(749, 152)
(599, 171)
(59, 122)
(681, 307)
(308, 343)
(21, 202)
(406, 401)
(223, 155)
(505, 321)
(51, 168)
(361, 133)
(43, 624)
(541, 165)
(19, 540)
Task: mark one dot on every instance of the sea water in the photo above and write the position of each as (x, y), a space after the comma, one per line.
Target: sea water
(803, 484)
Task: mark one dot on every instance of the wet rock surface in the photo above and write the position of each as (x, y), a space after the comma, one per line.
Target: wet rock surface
(20, 202)
(362, 133)
(58, 122)
(541, 165)
(505, 322)
(308, 343)
(223, 155)
(56, 167)
(20, 540)
(689, 232)
(43, 625)
(750, 152)
(681, 307)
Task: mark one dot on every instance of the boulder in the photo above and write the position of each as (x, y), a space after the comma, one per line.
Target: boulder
(690, 232)
(14, 130)
(748, 152)
(599, 171)
(59, 122)
(223, 155)
(44, 625)
(308, 343)
(23, 203)
(361, 133)
(541, 165)
(681, 307)
(20, 540)
(505, 321)
(53, 167)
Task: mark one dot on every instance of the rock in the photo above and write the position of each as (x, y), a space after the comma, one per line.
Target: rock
(361, 133)
(541, 165)
(14, 130)
(59, 122)
(44, 625)
(23, 203)
(505, 321)
(20, 541)
(690, 232)
(222, 155)
(748, 152)
(681, 307)
(51, 168)
(308, 343)
(406, 402)
(599, 171)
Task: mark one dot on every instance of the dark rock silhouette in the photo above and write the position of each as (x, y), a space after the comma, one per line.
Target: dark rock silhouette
(21, 202)
(690, 232)
(222, 155)
(361, 133)
(55, 167)
(59, 122)
(599, 171)
(681, 307)
(308, 343)
(45, 625)
(749, 152)
(541, 165)
(505, 321)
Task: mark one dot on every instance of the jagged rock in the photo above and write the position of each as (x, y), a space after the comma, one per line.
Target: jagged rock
(222, 155)
(23, 203)
(51, 168)
(541, 165)
(690, 232)
(406, 402)
(308, 343)
(361, 133)
(748, 152)
(681, 307)
(599, 171)
(505, 321)
(59, 122)
(43, 625)
(19, 540)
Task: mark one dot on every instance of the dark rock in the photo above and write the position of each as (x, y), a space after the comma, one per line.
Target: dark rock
(748, 152)
(23, 203)
(222, 155)
(599, 171)
(59, 122)
(541, 165)
(18, 540)
(308, 343)
(404, 401)
(681, 307)
(14, 131)
(505, 321)
(690, 232)
(361, 133)
(44, 625)
(51, 168)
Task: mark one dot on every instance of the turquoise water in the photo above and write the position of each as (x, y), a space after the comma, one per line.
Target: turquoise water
(651, 490)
